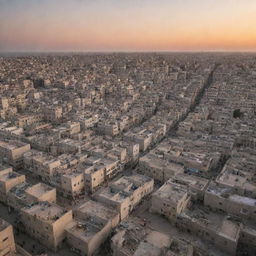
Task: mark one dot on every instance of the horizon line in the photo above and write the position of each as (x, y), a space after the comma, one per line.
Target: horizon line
(121, 51)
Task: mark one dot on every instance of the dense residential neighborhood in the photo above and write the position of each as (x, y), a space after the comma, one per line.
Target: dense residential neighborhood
(128, 154)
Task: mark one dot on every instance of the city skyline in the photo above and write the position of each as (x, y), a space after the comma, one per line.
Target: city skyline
(81, 26)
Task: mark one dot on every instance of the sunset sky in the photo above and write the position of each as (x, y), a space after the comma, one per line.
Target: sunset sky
(127, 25)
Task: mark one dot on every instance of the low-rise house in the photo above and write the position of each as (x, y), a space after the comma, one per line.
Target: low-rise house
(72, 182)
(17, 196)
(160, 169)
(125, 193)
(108, 128)
(46, 222)
(41, 192)
(170, 200)
(12, 152)
(93, 224)
(224, 199)
(87, 235)
(8, 180)
(40, 164)
(99, 210)
(98, 170)
(131, 239)
(236, 176)
(7, 243)
(217, 229)
(196, 185)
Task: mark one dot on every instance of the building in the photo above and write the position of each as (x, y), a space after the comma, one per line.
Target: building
(40, 164)
(125, 193)
(98, 170)
(86, 235)
(224, 199)
(8, 180)
(99, 210)
(170, 200)
(93, 224)
(130, 239)
(41, 192)
(72, 182)
(46, 222)
(17, 196)
(7, 243)
(236, 176)
(217, 229)
(158, 168)
(196, 185)
(12, 152)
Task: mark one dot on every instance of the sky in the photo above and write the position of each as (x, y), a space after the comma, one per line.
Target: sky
(127, 25)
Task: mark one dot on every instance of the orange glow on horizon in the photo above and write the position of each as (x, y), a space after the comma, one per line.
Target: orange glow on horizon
(132, 29)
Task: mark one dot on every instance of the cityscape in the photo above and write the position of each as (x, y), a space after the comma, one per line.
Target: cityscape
(126, 153)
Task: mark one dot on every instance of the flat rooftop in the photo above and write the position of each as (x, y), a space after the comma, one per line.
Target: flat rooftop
(13, 144)
(192, 181)
(45, 211)
(39, 189)
(19, 190)
(171, 192)
(155, 161)
(230, 176)
(125, 186)
(85, 229)
(230, 230)
(92, 208)
(9, 176)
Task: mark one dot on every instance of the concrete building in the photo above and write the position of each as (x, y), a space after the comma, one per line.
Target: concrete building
(223, 199)
(7, 243)
(41, 192)
(125, 193)
(8, 180)
(160, 169)
(240, 179)
(87, 235)
(93, 224)
(196, 185)
(217, 229)
(170, 200)
(130, 239)
(40, 163)
(98, 170)
(99, 210)
(17, 196)
(12, 152)
(46, 222)
(72, 182)
(53, 113)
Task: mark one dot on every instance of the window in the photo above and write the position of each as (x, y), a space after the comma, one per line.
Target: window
(5, 239)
